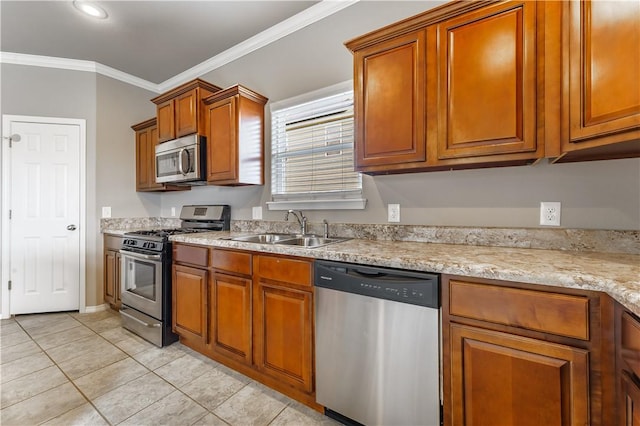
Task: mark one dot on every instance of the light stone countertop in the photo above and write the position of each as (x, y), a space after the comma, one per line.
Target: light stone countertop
(615, 274)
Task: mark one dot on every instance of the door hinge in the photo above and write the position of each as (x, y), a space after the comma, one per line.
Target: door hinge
(10, 213)
(9, 284)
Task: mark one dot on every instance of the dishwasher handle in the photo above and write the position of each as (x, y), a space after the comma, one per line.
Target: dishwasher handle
(413, 287)
(366, 274)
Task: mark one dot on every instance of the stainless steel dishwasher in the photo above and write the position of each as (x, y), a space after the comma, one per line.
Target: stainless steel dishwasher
(377, 344)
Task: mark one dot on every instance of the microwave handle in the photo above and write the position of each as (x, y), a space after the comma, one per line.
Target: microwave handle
(180, 168)
(180, 161)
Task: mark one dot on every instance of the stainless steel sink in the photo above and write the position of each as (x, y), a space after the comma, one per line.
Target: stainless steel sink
(308, 241)
(264, 238)
(311, 242)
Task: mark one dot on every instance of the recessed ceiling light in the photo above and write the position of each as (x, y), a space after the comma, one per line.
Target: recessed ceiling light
(91, 9)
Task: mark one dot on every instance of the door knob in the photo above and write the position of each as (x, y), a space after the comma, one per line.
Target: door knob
(71, 227)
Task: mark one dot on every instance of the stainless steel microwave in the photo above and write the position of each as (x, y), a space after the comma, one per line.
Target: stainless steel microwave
(181, 160)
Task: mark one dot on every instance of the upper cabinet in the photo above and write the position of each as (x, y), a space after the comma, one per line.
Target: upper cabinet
(485, 101)
(180, 111)
(234, 126)
(146, 141)
(389, 101)
(600, 81)
(452, 88)
(232, 120)
(483, 84)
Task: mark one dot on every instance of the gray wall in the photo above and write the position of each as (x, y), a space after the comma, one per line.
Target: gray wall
(599, 195)
(49, 92)
(119, 105)
(109, 108)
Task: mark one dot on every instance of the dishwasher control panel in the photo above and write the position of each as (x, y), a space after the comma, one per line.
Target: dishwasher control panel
(416, 288)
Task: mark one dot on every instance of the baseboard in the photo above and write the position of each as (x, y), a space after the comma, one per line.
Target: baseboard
(98, 308)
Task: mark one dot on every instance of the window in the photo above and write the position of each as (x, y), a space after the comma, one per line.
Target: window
(312, 152)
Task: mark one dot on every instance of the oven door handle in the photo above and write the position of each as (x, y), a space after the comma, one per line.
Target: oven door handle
(122, 312)
(140, 255)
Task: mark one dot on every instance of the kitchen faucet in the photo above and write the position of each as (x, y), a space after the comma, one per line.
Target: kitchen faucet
(301, 220)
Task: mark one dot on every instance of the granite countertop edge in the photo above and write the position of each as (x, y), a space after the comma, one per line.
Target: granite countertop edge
(615, 274)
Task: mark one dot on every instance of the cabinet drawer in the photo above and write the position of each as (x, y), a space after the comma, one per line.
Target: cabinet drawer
(193, 255)
(554, 313)
(630, 341)
(231, 261)
(285, 270)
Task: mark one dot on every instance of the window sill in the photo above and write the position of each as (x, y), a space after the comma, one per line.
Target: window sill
(347, 204)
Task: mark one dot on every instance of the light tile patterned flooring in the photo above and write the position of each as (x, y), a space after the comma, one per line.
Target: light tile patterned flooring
(85, 369)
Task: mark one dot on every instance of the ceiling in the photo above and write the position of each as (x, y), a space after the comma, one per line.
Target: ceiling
(151, 40)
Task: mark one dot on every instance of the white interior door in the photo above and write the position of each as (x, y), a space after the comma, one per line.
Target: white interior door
(45, 218)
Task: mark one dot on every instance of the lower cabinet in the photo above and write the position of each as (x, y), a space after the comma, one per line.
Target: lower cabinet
(526, 354)
(252, 312)
(283, 319)
(230, 289)
(189, 302)
(628, 349)
(111, 272)
(630, 397)
(230, 316)
(516, 380)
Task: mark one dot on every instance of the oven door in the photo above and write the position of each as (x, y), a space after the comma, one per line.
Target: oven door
(141, 282)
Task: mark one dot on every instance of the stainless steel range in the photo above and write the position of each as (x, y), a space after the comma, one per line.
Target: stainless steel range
(146, 272)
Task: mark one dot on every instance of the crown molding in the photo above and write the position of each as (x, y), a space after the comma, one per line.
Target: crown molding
(282, 29)
(301, 20)
(76, 65)
(127, 78)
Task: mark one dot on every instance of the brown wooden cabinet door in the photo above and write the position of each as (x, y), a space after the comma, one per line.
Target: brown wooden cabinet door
(630, 413)
(502, 379)
(111, 268)
(151, 159)
(189, 302)
(186, 113)
(230, 316)
(146, 141)
(283, 334)
(166, 121)
(111, 271)
(630, 343)
(222, 145)
(389, 102)
(117, 291)
(604, 71)
(143, 143)
(487, 82)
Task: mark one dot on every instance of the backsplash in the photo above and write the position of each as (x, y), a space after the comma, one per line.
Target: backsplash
(134, 223)
(587, 240)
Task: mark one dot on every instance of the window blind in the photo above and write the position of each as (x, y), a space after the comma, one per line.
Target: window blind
(312, 150)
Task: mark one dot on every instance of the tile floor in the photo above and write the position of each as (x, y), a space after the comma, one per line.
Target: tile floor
(84, 369)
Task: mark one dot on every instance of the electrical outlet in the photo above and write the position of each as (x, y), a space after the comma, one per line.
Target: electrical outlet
(393, 212)
(173, 212)
(256, 213)
(550, 213)
(106, 212)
